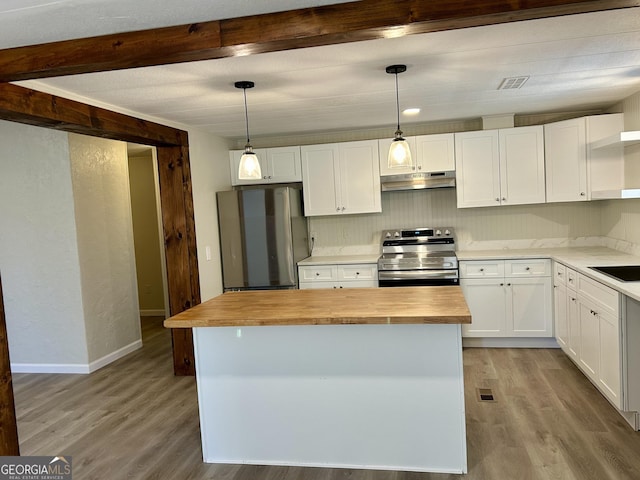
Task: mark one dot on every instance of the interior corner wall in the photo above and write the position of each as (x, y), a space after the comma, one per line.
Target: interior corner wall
(38, 252)
(210, 173)
(100, 179)
(146, 236)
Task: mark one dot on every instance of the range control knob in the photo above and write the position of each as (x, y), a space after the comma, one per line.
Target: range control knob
(387, 235)
(447, 232)
(396, 235)
(438, 233)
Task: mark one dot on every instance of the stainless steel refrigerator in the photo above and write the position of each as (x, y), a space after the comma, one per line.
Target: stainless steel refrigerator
(263, 235)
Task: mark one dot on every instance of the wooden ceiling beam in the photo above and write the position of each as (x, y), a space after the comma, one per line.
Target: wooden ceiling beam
(28, 106)
(307, 27)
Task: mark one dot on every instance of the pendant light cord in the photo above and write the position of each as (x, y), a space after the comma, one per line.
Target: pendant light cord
(246, 113)
(397, 101)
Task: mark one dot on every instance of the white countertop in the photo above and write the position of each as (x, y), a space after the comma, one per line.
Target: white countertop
(577, 258)
(339, 259)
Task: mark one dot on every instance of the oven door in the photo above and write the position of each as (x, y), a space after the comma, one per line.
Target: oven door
(417, 278)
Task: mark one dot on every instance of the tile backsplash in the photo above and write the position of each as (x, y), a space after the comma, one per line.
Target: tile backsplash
(520, 226)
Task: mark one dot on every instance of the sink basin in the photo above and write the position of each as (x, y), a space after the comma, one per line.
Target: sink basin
(623, 273)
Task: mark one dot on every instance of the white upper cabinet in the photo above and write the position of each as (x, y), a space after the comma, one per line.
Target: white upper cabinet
(431, 153)
(278, 165)
(574, 168)
(341, 178)
(500, 167)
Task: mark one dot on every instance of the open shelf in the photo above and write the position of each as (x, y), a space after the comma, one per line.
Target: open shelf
(621, 139)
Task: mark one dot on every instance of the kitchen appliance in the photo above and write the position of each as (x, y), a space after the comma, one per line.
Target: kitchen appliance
(263, 235)
(417, 257)
(417, 181)
(622, 273)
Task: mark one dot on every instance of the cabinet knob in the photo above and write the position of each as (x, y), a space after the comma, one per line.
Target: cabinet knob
(357, 273)
(419, 167)
(502, 284)
(582, 194)
(508, 284)
(343, 209)
(264, 178)
(528, 268)
(497, 199)
(317, 273)
(482, 269)
(337, 209)
(504, 199)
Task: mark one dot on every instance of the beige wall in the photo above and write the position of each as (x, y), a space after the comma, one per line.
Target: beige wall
(104, 232)
(146, 234)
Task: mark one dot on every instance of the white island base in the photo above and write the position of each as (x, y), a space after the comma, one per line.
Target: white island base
(387, 397)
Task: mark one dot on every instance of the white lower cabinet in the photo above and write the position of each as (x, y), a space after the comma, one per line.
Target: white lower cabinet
(508, 298)
(338, 276)
(587, 324)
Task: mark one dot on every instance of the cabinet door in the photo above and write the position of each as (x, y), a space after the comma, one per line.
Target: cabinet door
(435, 153)
(522, 165)
(589, 340)
(560, 316)
(610, 362)
(530, 307)
(573, 318)
(566, 161)
(359, 177)
(383, 153)
(284, 165)
(486, 299)
(319, 181)
(477, 169)
(234, 163)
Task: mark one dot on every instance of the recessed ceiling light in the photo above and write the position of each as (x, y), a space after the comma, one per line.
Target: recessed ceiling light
(411, 111)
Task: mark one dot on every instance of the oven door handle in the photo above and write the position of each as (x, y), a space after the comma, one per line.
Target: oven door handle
(416, 274)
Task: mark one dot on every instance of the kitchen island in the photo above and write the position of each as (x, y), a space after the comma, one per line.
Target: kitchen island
(355, 378)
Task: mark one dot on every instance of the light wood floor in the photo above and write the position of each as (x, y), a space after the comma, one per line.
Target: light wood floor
(134, 420)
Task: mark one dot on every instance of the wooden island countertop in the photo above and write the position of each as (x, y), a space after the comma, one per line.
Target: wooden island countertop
(401, 305)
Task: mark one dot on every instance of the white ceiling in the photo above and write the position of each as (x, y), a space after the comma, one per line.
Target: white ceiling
(577, 62)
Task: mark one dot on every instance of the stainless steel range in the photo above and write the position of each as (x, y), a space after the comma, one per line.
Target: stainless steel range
(418, 256)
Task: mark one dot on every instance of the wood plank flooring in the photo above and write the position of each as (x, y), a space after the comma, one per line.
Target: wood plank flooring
(134, 420)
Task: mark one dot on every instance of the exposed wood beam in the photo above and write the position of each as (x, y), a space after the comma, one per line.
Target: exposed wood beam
(307, 27)
(9, 445)
(24, 105)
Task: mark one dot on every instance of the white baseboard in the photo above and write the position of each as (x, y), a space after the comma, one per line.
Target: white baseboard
(153, 313)
(113, 356)
(510, 342)
(75, 368)
(49, 368)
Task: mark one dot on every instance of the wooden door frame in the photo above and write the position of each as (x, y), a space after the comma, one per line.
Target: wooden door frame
(307, 27)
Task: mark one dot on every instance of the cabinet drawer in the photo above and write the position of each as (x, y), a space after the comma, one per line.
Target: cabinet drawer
(481, 269)
(358, 272)
(599, 294)
(559, 274)
(320, 273)
(572, 279)
(539, 267)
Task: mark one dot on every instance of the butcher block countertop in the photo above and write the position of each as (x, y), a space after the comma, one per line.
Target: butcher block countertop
(401, 305)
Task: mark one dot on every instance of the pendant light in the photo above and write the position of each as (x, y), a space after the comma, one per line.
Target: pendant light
(249, 168)
(399, 152)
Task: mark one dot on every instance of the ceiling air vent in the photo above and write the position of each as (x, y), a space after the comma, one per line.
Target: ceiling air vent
(512, 83)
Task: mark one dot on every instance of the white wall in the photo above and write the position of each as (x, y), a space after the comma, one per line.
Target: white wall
(209, 157)
(39, 258)
(100, 178)
(621, 218)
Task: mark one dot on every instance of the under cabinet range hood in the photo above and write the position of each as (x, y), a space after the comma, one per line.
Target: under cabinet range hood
(418, 181)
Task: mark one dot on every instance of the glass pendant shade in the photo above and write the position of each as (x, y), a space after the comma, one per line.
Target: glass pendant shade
(249, 168)
(400, 154)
